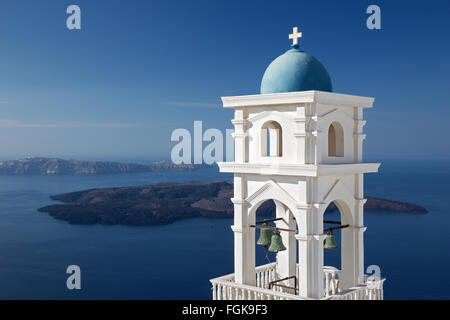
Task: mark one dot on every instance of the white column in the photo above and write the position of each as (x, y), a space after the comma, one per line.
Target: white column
(359, 249)
(358, 135)
(310, 249)
(352, 242)
(244, 236)
(313, 133)
(239, 135)
(359, 228)
(348, 257)
(287, 259)
(300, 134)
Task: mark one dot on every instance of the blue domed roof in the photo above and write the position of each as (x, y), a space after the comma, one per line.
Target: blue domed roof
(295, 70)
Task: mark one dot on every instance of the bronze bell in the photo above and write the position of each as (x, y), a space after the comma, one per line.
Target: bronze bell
(277, 243)
(265, 235)
(330, 241)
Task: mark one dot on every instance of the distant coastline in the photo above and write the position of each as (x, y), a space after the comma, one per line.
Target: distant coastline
(166, 203)
(55, 166)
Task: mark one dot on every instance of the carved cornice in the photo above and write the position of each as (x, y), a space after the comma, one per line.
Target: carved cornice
(295, 98)
(237, 229)
(237, 135)
(295, 170)
(239, 201)
(309, 237)
(238, 121)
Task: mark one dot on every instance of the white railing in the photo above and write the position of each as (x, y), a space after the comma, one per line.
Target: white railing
(265, 274)
(225, 288)
(369, 291)
(332, 281)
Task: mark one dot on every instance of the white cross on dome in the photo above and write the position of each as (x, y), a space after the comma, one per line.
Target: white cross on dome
(295, 35)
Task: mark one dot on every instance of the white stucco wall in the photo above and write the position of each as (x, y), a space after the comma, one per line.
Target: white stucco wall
(315, 142)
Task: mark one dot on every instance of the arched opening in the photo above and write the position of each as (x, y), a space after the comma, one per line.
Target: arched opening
(333, 257)
(336, 260)
(271, 139)
(335, 140)
(276, 271)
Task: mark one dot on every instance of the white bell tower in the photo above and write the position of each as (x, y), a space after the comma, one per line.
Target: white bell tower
(301, 146)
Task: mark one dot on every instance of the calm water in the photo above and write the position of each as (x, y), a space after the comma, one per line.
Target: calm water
(176, 261)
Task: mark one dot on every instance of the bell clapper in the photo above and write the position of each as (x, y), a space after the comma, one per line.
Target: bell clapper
(266, 252)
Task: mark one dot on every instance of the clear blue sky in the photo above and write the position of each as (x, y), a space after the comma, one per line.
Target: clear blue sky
(139, 69)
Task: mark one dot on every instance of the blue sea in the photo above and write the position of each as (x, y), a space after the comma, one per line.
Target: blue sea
(176, 261)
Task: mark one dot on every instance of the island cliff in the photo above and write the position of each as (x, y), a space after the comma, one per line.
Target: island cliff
(167, 202)
(55, 166)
